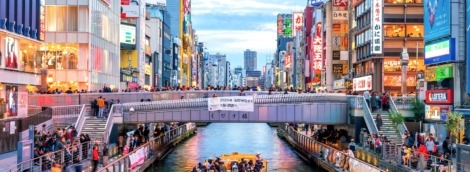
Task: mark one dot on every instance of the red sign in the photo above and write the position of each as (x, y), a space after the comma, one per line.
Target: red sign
(298, 22)
(42, 20)
(279, 25)
(125, 2)
(340, 3)
(317, 49)
(287, 60)
(439, 97)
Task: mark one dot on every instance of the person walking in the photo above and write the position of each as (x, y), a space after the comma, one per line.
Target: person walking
(105, 154)
(378, 122)
(95, 158)
(373, 102)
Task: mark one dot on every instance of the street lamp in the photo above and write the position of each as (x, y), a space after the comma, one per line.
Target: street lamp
(404, 62)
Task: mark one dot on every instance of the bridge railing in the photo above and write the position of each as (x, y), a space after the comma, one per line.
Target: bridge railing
(258, 99)
(76, 153)
(125, 163)
(327, 152)
(404, 103)
(61, 112)
(80, 120)
(34, 109)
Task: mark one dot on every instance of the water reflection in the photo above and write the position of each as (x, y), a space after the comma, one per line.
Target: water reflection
(225, 138)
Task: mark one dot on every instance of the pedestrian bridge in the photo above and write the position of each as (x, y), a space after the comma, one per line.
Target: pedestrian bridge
(278, 108)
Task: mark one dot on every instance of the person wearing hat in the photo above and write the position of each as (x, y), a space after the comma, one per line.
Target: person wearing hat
(258, 157)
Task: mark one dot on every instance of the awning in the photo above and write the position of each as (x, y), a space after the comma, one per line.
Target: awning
(462, 111)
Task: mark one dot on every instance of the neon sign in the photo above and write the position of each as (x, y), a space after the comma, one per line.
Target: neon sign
(298, 19)
(317, 49)
(287, 60)
(42, 20)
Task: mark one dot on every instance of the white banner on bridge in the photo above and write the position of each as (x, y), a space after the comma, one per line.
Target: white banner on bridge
(236, 103)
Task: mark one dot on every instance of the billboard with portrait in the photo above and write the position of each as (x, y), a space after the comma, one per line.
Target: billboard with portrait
(11, 53)
(12, 100)
(436, 19)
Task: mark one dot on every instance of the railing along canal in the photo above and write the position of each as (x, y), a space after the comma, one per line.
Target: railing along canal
(327, 152)
(147, 150)
(61, 112)
(74, 155)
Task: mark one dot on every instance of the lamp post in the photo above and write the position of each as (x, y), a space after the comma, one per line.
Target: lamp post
(404, 62)
(417, 85)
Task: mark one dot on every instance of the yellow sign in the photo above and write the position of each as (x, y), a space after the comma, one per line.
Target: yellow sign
(430, 75)
(148, 69)
(148, 50)
(129, 57)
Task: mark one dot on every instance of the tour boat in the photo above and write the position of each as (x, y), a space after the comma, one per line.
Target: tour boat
(230, 159)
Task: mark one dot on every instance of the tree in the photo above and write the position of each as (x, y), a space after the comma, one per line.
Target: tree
(417, 106)
(454, 120)
(397, 119)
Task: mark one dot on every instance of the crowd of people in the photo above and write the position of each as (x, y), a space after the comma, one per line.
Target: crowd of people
(51, 145)
(219, 165)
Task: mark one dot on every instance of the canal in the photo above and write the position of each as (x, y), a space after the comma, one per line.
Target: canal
(225, 138)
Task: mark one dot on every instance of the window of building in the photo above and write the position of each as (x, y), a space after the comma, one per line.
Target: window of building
(147, 79)
(414, 31)
(394, 30)
(59, 56)
(61, 18)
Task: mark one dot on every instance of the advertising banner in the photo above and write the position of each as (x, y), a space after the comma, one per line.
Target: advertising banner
(129, 10)
(338, 68)
(336, 55)
(444, 72)
(284, 25)
(12, 100)
(439, 96)
(340, 3)
(11, 53)
(436, 19)
(236, 103)
(287, 60)
(127, 34)
(137, 158)
(376, 27)
(362, 83)
(338, 84)
(437, 112)
(439, 52)
(315, 2)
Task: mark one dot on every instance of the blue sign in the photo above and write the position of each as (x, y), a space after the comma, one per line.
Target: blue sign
(436, 19)
(439, 52)
(315, 2)
(467, 24)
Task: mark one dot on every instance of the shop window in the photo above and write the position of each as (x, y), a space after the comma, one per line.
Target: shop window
(59, 56)
(394, 65)
(394, 30)
(415, 31)
(29, 61)
(414, 1)
(395, 80)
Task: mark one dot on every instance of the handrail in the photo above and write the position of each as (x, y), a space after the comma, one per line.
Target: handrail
(36, 164)
(312, 146)
(80, 120)
(360, 102)
(151, 147)
(401, 127)
(66, 111)
(109, 121)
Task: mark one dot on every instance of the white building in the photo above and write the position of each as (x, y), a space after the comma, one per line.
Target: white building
(154, 30)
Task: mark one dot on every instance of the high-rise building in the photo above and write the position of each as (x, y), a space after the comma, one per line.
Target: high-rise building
(250, 60)
(379, 41)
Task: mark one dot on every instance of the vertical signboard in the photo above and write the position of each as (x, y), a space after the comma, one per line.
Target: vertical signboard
(287, 60)
(298, 19)
(317, 49)
(284, 25)
(468, 43)
(376, 27)
(42, 20)
(436, 19)
(340, 3)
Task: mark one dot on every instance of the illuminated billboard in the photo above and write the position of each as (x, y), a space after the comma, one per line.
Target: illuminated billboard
(284, 25)
(127, 34)
(298, 19)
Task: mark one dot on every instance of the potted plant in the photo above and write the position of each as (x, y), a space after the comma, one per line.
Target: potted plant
(417, 106)
(454, 120)
(396, 118)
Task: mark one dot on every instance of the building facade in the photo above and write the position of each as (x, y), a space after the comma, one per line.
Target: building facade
(250, 60)
(381, 34)
(81, 49)
(22, 30)
(158, 41)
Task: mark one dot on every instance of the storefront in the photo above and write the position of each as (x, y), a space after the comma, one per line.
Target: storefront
(362, 83)
(392, 74)
(438, 105)
(342, 85)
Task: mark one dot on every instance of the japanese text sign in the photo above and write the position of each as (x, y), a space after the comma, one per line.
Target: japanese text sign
(298, 19)
(340, 3)
(340, 15)
(235, 103)
(376, 27)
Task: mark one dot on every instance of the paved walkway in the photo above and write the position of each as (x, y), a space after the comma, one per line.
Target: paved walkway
(7, 160)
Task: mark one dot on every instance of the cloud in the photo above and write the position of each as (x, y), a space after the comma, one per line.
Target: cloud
(242, 7)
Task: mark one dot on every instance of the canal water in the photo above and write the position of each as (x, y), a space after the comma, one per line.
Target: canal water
(225, 138)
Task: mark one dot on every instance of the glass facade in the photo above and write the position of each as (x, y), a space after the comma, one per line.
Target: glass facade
(83, 40)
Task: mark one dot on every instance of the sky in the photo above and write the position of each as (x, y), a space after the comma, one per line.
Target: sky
(232, 26)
